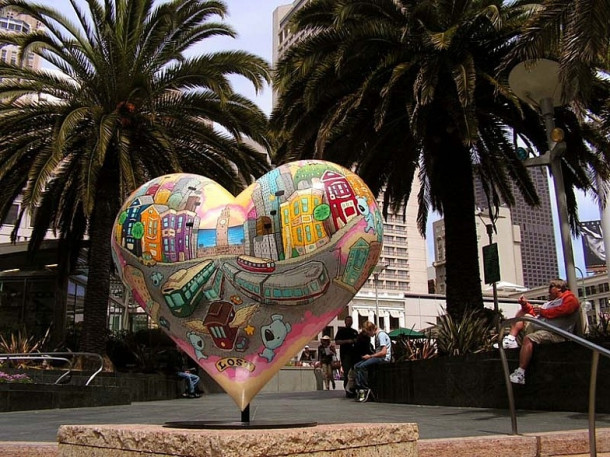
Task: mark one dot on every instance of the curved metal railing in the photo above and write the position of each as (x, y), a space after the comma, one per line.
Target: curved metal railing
(66, 357)
(597, 350)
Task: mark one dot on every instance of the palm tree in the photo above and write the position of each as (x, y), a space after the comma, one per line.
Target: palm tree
(577, 32)
(128, 105)
(398, 87)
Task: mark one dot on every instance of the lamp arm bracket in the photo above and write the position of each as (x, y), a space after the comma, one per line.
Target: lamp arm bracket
(558, 150)
(539, 161)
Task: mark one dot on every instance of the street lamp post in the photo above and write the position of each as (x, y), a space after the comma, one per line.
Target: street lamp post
(376, 270)
(494, 287)
(582, 276)
(604, 209)
(537, 83)
(585, 303)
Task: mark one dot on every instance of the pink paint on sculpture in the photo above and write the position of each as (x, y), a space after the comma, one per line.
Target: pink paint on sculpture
(243, 283)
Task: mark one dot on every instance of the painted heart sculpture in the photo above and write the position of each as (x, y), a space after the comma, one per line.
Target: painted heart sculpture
(242, 283)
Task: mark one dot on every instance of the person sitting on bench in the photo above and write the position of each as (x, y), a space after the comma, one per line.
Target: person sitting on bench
(561, 311)
(188, 372)
(382, 354)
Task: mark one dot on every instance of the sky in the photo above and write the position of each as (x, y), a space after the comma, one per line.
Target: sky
(253, 22)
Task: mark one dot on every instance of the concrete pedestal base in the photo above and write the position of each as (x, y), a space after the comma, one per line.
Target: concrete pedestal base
(351, 440)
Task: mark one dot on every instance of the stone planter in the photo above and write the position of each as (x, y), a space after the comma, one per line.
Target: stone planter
(23, 397)
(557, 380)
(107, 389)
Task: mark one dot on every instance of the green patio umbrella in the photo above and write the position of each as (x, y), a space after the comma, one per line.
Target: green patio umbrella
(408, 332)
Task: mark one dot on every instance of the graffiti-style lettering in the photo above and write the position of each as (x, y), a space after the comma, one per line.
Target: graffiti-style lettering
(234, 362)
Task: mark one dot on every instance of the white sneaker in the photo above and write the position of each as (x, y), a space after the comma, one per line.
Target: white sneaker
(509, 342)
(517, 376)
(361, 395)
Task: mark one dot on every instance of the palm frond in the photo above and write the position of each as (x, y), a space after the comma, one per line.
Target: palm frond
(126, 105)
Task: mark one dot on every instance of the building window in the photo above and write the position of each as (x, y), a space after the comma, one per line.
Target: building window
(394, 323)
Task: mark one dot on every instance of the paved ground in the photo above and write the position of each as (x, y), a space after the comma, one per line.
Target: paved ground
(318, 406)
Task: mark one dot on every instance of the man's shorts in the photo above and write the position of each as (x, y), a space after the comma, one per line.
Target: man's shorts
(539, 336)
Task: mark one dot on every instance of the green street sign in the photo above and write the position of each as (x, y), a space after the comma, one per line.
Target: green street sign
(491, 263)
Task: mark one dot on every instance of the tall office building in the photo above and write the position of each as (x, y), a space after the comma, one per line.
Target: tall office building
(282, 36)
(538, 250)
(404, 263)
(404, 249)
(11, 21)
(507, 238)
(531, 241)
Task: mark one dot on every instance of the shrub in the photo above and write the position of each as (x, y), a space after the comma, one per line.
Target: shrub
(20, 378)
(119, 348)
(601, 330)
(405, 348)
(21, 343)
(474, 332)
(144, 351)
(72, 338)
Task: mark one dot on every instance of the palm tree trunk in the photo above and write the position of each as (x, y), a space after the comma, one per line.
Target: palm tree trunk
(463, 278)
(95, 322)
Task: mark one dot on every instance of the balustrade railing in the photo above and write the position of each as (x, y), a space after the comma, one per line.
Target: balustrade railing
(63, 357)
(597, 350)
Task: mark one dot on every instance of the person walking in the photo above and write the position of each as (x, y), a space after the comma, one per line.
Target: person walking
(326, 351)
(306, 356)
(346, 339)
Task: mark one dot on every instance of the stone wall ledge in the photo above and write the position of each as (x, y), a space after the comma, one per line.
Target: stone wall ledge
(33, 449)
(322, 440)
(551, 444)
(24, 397)
(477, 380)
(123, 388)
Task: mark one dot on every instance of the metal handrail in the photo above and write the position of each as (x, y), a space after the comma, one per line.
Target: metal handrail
(45, 357)
(59, 356)
(597, 350)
